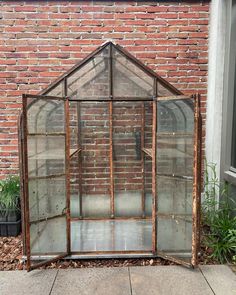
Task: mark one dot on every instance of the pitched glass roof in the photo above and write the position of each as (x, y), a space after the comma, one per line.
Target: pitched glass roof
(110, 72)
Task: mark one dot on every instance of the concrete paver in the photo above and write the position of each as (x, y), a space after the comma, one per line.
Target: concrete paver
(92, 281)
(171, 280)
(136, 280)
(221, 279)
(37, 282)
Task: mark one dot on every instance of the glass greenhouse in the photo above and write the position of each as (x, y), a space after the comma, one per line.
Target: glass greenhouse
(110, 164)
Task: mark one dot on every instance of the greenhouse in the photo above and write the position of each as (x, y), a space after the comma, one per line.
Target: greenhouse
(110, 164)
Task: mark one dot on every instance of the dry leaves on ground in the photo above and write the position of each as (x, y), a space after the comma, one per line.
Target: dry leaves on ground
(11, 253)
(11, 258)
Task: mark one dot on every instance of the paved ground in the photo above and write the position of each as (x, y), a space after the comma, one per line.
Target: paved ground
(146, 280)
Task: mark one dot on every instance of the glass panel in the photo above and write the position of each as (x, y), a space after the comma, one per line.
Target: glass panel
(129, 80)
(175, 153)
(45, 116)
(174, 195)
(47, 183)
(148, 120)
(48, 237)
(175, 116)
(129, 175)
(47, 198)
(163, 90)
(91, 81)
(94, 124)
(175, 235)
(111, 235)
(46, 155)
(75, 160)
(127, 158)
(56, 91)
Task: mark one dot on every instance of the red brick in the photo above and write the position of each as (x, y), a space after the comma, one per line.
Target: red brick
(41, 41)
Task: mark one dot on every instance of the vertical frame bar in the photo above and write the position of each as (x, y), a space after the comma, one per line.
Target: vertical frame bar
(154, 190)
(26, 183)
(110, 72)
(199, 174)
(143, 156)
(195, 199)
(80, 161)
(111, 160)
(112, 197)
(67, 172)
(21, 172)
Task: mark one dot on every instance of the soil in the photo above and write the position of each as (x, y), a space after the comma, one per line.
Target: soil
(11, 258)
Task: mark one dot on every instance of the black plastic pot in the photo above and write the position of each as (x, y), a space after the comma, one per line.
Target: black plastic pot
(3, 225)
(10, 223)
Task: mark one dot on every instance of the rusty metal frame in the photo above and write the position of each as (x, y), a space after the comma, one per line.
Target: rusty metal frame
(25, 190)
(79, 160)
(67, 173)
(197, 181)
(150, 152)
(111, 153)
(154, 184)
(21, 174)
(143, 157)
(195, 189)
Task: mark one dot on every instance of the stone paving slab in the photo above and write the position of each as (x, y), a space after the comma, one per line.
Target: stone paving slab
(92, 281)
(146, 280)
(221, 279)
(37, 282)
(171, 280)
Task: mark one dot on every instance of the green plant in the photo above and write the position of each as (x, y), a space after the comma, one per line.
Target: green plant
(218, 217)
(10, 193)
(234, 259)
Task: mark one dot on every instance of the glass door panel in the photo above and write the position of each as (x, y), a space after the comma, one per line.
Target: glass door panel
(46, 173)
(175, 174)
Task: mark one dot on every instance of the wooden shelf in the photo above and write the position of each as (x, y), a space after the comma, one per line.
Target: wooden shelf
(147, 151)
(74, 151)
(55, 154)
(176, 134)
(168, 153)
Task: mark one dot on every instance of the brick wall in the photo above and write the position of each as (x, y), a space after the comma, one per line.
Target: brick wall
(40, 41)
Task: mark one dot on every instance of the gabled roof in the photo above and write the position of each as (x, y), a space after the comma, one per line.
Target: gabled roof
(110, 71)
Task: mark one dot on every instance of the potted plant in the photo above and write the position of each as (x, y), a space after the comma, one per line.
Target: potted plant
(10, 217)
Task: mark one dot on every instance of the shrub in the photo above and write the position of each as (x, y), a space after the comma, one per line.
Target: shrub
(218, 217)
(10, 193)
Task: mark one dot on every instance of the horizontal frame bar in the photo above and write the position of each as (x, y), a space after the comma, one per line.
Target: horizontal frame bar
(38, 96)
(81, 255)
(46, 176)
(175, 176)
(109, 218)
(104, 99)
(47, 134)
(174, 97)
(46, 219)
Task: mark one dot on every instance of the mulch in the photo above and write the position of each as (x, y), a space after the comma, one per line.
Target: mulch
(11, 258)
(11, 253)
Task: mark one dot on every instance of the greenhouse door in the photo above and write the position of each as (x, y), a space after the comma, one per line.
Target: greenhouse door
(178, 179)
(46, 177)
